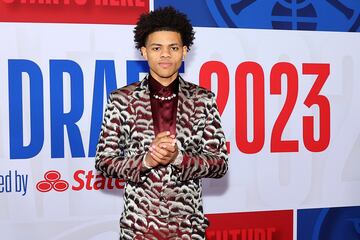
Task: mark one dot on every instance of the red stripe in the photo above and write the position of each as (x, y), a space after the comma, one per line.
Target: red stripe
(73, 11)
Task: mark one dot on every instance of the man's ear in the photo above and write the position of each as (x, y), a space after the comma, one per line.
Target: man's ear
(185, 50)
(143, 52)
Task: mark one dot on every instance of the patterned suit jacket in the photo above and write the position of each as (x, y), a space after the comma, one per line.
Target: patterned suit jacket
(166, 199)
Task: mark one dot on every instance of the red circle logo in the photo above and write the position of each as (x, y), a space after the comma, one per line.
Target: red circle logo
(52, 181)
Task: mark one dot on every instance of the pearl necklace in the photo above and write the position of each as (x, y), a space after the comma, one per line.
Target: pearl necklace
(164, 98)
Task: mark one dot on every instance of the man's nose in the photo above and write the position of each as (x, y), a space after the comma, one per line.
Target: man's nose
(165, 52)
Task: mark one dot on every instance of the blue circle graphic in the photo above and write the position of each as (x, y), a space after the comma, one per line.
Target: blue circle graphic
(322, 15)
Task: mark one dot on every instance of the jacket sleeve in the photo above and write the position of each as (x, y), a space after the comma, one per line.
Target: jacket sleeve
(210, 158)
(110, 157)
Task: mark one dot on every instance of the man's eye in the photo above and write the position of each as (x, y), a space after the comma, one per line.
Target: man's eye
(155, 48)
(175, 48)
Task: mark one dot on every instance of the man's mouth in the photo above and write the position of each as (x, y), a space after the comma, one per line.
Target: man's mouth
(165, 64)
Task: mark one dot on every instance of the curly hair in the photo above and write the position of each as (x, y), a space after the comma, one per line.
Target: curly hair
(163, 19)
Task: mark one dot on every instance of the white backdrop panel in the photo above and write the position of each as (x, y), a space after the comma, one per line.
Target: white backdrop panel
(260, 181)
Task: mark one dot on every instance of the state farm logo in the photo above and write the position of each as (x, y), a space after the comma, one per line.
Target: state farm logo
(52, 181)
(82, 180)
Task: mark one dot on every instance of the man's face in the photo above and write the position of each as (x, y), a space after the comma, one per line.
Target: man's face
(164, 52)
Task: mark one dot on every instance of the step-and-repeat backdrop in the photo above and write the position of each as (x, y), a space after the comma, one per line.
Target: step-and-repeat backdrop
(289, 102)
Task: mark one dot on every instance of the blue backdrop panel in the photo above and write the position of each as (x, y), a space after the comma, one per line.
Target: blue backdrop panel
(329, 223)
(315, 15)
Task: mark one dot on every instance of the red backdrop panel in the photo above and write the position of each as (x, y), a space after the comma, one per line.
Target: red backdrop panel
(269, 225)
(73, 11)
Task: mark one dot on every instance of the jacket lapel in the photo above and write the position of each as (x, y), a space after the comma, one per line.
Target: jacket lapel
(185, 111)
(143, 125)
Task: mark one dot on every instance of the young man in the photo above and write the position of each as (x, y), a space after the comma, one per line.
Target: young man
(162, 135)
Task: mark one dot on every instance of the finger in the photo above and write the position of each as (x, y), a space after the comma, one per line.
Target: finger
(158, 157)
(163, 141)
(150, 161)
(160, 153)
(155, 158)
(163, 160)
(168, 140)
(163, 134)
(168, 147)
(163, 152)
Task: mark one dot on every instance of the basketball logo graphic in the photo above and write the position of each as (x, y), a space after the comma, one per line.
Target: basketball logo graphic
(300, 15)
(323, 15)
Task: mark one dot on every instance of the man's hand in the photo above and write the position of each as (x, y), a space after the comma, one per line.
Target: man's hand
(163, 150)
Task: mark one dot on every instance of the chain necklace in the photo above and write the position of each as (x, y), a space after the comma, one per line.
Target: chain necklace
(164, 98)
